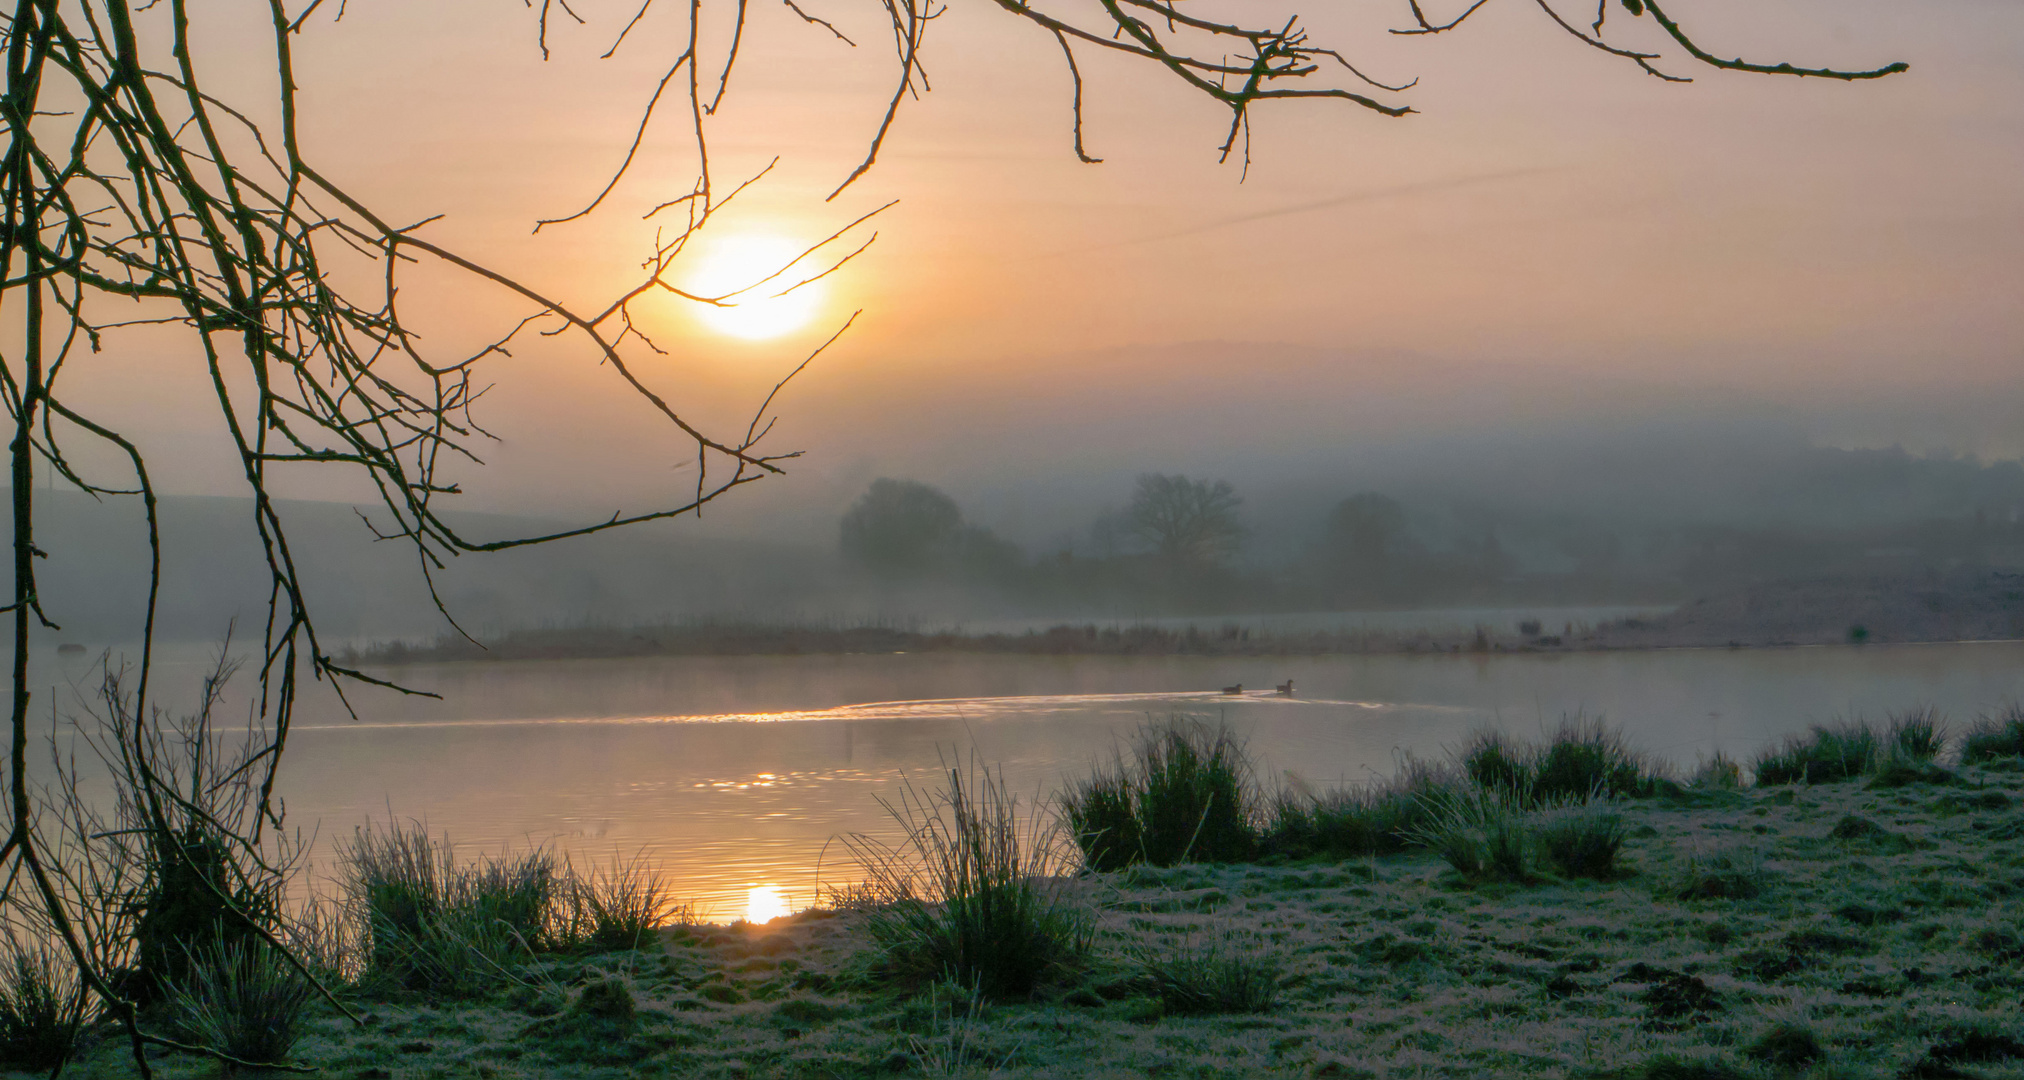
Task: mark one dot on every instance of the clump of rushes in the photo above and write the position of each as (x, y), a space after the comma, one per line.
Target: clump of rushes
(242, 1001)
(1102, 813)
(973, 892)
(1993, 738)
(1588, 758)
(1917, 736)
(1481, 833)
(1584, 759)
(42, 1006)
(620, 905)
(1582, 841)
(1495, 763)
(1184, 796)
(1355, 821)
(1825, 754)
(1207, 978)
(434, 925)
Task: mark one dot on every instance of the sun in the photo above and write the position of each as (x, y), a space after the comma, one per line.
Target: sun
(740, 261)
(764, 903)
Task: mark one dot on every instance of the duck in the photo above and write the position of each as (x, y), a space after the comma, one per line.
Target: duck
(1284, 689)
(1235, 688)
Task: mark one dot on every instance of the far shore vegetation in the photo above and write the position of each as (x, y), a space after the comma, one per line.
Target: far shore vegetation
(709, 638)
(1981, 606)
(1848, 903)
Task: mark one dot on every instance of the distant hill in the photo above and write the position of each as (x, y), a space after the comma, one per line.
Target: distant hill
(1962, 605)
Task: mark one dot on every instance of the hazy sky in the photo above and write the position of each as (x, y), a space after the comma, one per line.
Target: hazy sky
(1556, 239)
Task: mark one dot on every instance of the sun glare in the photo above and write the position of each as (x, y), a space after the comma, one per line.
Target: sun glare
(730, 263)
(764, 903)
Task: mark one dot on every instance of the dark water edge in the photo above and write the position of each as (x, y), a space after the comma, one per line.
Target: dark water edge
(1964, 605)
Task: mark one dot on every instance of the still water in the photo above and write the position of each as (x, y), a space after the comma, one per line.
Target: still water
(736, 773)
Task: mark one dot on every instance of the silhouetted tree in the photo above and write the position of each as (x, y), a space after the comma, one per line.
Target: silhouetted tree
(1185, 520)
(1365, 551)
(1369, 528)
(899, 528)
(904, 529)
(983, 557)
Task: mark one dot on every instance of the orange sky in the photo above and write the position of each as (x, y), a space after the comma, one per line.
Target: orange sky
(1552, 218)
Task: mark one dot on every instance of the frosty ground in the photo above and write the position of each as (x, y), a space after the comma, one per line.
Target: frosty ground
(1819, 930)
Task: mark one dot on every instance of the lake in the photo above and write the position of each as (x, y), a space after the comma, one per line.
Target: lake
(736, 773)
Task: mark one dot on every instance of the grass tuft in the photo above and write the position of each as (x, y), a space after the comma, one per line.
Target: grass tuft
(1481, 833)
(973, 893)
(1211, 978)
(1584, 759)
(606, 1000)
(1494, 762)
(1827, 753)
(1184, 796)
(1582, 841)
(1918, 736)
(619, 906)
(1193, 802)
(243, 1001)
(42, 1006)
(1732, 874)
(436, 926)
(954, 1049)
(1787, 1047)
(1992, 738)
(1102, 810)
(1356, 821)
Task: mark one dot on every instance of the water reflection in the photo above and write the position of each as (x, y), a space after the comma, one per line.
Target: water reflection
(764, 903)
(737, 772)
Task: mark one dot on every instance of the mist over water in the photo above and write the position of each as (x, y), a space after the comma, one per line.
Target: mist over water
(1566, 512)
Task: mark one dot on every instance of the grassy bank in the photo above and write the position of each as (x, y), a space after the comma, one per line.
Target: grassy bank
(1869, 924)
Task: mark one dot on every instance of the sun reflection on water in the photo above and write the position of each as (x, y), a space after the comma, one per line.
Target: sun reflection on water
(764, 903)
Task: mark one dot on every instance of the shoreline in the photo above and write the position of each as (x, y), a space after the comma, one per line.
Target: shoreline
(1957, 606)
(1065, 640)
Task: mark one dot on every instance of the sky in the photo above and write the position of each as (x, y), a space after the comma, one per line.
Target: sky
(1554, 241)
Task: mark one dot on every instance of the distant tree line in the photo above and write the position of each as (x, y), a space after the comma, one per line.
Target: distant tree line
(1174, 547)
(1178, 545)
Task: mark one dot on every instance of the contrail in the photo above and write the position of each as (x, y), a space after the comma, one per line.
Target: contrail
(1300, 208)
